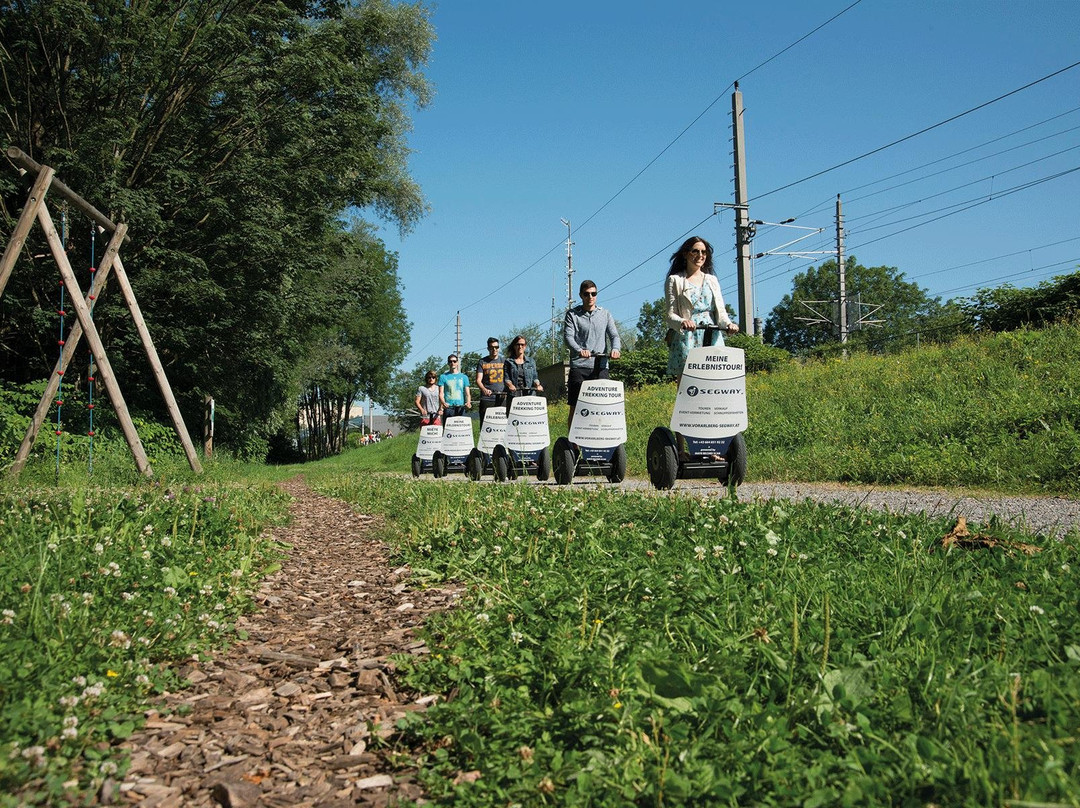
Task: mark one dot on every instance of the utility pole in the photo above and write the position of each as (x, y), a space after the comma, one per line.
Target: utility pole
(843, 273)
(569, 266)
(744, 231)
(457, 342)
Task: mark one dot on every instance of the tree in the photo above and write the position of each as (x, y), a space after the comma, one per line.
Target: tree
(230, 135)
(904, 306)
(652, 324)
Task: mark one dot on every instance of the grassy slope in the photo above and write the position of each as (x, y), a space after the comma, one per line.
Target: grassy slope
(1001, 412)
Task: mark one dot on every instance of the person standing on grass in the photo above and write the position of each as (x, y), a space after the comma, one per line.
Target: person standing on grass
(454, 393)
(489, 376)
(587, 330)
(693, 302)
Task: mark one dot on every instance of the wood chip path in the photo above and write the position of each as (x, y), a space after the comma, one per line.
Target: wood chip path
(287, 716)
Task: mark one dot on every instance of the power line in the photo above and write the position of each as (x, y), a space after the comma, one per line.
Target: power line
(920, 132)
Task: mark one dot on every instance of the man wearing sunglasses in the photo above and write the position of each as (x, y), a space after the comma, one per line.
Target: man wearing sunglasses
(454, 394)
(588, 330)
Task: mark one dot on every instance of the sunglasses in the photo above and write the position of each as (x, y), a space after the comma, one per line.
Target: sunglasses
(588, 294)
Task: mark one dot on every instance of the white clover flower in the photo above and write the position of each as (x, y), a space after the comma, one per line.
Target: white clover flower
(237, 574)
(206, 589)
(146, 555)
(69, 702)
(127, 596)
(148, 529)
(483, 617)
(142, 680)
(99, 548)
(119, 639)
(516, 637)
(87, 598)
(699, 553)
(742, 543)
(1036, 609)
(170, 592)
(771, 551)
(166, 541)
(213, 625)
(717, 550)
(113, 569)
(35, 755)
(79, 680)
(496, 550)
(803, 556)
(8, 617)
(52, 547)
(71, 721)
(772, 538)
(107, 768)
(69, 733)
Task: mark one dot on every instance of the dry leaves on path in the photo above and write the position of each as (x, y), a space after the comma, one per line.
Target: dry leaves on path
(286, 717)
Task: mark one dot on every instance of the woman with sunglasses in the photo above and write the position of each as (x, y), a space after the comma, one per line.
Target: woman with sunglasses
(693, 302)
(427, 400)
(519, 371)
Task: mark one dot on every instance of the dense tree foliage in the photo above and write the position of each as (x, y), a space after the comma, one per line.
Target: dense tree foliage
(231, 135)
(652, 324)
(1007, 308)
(900, 306)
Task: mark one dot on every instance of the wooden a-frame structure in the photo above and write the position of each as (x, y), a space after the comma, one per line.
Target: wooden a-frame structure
(35, 208)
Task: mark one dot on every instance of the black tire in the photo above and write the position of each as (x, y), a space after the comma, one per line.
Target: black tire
(618, 465)
(438, 465)
(515, 466)
(543, 465)
(662, 458)
(564, 462)
(500, 463)
(736, 459)
(417, 466)
(474, 465)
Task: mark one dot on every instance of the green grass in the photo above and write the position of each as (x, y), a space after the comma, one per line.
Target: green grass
(1001, 412)
(617, 648)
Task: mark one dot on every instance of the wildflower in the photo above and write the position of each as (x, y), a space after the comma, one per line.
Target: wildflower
(1036, 609)
(771, 551)
(99, 548)
(526, 753)
(699, 553)
(148, 529)
(52, 546)
(127, 596)
(69, 702)
(111, 674)
(803, 556)
(516, 637)
(113, 569)
(483, 617)
(87, 598)
(8, 617)
(166, 541)
(237, 574)
(35, 755)
(119, 639)
(170, 592)
(107, 768)
(717, 550)
(142, 680)
(496, 550)
(146, 555)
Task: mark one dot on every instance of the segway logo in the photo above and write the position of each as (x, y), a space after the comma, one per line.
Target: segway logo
(694, 390)
(584, 413)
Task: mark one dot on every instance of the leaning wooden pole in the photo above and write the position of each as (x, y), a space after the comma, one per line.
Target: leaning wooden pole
(97, 348)
(22, 227)
(155, 364)
(72, 342)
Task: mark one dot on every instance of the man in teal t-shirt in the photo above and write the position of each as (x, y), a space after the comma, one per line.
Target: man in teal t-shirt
(454, 393)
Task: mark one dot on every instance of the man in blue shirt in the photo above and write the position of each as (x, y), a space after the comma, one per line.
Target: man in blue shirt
(587, 330)
(454, 393)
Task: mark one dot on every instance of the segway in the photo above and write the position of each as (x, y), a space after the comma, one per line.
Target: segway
(705, 438)
(457, 443)
(492, 433)
(525, 450)
(597, 441)
(429, 443)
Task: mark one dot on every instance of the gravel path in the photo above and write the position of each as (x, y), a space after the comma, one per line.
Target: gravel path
(1045, 515)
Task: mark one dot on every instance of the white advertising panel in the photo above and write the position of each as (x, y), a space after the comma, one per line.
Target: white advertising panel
(430, 441)
(457, 439)
(527, 426)
(712, 395)
(600, 416)
(493, 432)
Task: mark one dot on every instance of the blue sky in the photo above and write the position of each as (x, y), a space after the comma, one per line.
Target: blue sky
(573, 110)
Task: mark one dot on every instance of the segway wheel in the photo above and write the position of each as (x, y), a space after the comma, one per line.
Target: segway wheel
(564, 462)
(500, 463)
(543, 465)
(438, 465)
(662, 458)
(736, 459)
(474, 465)
(618, 464)
(417, 466)
(515, 465)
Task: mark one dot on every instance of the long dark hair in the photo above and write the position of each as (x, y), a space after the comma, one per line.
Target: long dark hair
(678, 258)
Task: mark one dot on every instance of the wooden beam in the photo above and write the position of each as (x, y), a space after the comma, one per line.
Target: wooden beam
(97, 348)
(72, 342)
(23, 160)
(155, 365)
(22, 227)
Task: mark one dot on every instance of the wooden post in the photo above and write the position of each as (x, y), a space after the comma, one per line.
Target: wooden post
(42, 411)
(155, 365)
(22, 227)
(96, 346)
(208, 427)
